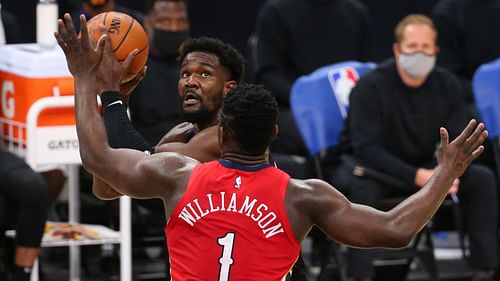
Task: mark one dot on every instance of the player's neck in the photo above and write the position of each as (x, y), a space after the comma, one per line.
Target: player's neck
(244, 159)
(203, 125)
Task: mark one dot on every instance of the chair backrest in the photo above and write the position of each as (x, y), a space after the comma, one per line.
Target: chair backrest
(486, 89)
(320, 101)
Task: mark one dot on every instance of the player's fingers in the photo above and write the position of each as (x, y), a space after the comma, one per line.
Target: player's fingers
(142, 73)
(474, 140)
(102, 29)
(84, 33)
(62, 32)
(481, 139)
(103, 45)
(60, 41)
(467, 131)
(70, 27)
(128, 61)
(444, 136)
(475, 154)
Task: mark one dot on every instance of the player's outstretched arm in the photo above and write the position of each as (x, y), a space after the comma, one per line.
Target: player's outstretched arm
(363, 226)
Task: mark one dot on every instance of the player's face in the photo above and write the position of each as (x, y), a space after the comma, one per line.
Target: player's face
(202, 85)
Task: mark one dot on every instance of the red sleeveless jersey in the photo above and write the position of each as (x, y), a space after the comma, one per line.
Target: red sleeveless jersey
(231, 224)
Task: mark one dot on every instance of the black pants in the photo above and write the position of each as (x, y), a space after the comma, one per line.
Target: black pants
(29, 193)
(478, 204)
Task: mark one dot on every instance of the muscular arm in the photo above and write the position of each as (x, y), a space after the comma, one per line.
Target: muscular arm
(363, 226)
(314, 202)
(121, 134)
(202, 147)
(130, 172)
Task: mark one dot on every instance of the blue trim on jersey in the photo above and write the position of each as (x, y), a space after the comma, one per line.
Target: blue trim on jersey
(234, 165)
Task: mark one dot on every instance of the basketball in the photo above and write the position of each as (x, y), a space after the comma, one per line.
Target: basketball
(125, 34)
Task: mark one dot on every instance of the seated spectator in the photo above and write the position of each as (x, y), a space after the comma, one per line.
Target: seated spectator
(394, 113)
(10, 34)
(30, 193)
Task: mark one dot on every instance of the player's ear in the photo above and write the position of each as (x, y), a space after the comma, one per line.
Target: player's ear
(221, 134)
(229, 85)
(276, 131)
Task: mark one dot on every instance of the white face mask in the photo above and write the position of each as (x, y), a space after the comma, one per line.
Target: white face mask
(418, 64)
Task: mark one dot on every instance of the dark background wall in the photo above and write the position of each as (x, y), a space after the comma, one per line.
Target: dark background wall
(385, 14)
(232, 21)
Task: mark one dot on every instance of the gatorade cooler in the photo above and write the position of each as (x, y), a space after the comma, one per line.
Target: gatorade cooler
(36, 108)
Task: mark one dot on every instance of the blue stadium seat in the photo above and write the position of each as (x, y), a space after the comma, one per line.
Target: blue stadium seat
(320, 102)
(486, 90)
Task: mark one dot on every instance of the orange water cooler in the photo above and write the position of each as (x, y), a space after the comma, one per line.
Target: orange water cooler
(36, 108)
(37, 122)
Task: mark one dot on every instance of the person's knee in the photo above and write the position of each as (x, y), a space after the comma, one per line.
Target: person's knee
(35, 189)
(362, 190)
(478, 189)
(55, 180)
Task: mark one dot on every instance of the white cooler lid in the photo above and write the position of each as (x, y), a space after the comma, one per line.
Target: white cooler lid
(33, 61)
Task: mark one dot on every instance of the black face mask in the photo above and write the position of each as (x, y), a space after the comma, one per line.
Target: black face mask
(166, 44)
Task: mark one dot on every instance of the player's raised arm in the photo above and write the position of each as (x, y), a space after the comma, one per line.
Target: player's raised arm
(363, 226)
(130, 172)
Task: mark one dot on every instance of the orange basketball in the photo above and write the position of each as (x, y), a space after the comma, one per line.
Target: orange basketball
(126, 34)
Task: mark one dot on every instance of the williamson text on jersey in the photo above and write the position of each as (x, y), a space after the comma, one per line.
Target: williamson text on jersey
(259, 212)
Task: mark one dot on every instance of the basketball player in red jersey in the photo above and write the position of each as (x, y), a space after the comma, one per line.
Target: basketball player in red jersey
(239, 218)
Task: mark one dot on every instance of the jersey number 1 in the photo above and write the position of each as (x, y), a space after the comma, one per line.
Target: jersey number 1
(226, 260)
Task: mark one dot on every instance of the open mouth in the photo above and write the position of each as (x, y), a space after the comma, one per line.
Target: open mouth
(191, 98)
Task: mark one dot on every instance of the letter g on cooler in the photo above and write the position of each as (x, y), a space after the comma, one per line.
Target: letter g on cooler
(7, 99)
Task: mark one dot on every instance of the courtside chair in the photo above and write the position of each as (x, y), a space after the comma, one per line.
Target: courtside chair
(320, 103)
(486, 89)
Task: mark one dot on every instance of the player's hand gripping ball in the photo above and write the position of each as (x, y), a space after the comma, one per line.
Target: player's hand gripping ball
(125, 34)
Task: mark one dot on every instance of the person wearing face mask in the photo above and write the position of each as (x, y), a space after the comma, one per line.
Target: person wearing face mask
(393, 114)
(154, 104)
